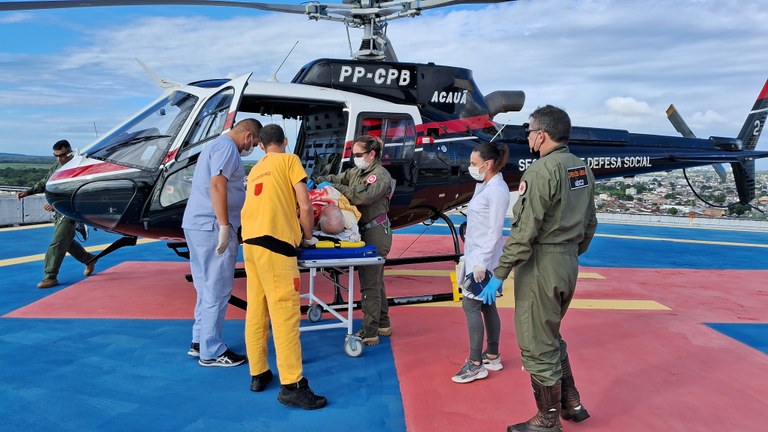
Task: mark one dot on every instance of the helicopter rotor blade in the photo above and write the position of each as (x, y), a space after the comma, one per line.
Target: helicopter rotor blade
(66, 4)
(431, 4)
(677, 121)
(681, 126)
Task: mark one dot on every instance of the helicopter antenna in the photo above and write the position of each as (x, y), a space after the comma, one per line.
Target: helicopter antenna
(349, 42)
(499, 132)
(95, 130)
(274, 75)
(163, 83)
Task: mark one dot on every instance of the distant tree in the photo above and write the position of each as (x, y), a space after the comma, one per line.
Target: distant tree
(672, 211)
(719, 198)
(21, 177)
(670, 196)
(738, 209)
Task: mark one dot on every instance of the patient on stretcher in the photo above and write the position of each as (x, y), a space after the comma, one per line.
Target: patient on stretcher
(335, 217)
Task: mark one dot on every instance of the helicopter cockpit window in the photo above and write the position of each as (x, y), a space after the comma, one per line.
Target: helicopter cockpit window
(322, 140)
(209, 123)
(397, 132)
(143, 142)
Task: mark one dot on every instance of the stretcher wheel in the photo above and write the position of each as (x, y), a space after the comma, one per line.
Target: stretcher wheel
(315, 313)
(353, 346)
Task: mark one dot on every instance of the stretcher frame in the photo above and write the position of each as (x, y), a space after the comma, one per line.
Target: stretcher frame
(353, 345)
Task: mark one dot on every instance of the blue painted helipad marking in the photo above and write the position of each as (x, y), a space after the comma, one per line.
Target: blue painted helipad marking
(754, 335)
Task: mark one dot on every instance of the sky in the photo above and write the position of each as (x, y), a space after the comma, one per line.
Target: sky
(617, 64)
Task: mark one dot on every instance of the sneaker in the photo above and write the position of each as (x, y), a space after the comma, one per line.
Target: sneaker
(385, 331)
(300, 395)
(226, 359)
(48, 283)
(470, 372)
(367, 340)
(492, 364)
(89, 268)
(260, 381)
(194, 350)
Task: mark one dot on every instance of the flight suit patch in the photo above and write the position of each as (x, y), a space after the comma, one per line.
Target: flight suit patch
(371, 179)
(257, 188)
(577, 177)
(522, 188)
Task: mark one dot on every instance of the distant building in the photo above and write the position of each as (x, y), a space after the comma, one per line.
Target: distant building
(713, 212)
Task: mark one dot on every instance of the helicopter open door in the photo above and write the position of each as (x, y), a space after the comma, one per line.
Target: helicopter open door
(215, 115)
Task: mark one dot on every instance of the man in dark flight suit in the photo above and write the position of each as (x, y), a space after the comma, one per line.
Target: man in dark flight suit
(553, 223)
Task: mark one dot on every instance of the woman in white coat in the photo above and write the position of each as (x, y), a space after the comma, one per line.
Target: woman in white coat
(482, 249)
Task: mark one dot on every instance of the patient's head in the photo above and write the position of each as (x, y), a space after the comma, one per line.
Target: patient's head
(331, 219)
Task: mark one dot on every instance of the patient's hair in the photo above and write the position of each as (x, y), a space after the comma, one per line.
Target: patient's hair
(331, 219)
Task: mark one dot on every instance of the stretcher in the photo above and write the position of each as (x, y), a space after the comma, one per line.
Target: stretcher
(330, 268)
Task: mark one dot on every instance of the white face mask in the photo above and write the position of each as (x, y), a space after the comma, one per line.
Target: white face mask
(475, 173)
(246, 152)
(361, 163)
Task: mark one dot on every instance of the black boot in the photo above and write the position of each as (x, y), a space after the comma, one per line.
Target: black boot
(259, 382)
(299, 394)
(571, 407)
(547, 419)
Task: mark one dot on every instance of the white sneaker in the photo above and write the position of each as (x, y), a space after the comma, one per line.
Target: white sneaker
(492, 364)
(470, 372)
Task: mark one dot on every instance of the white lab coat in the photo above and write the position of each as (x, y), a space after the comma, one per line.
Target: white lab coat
(485, 222)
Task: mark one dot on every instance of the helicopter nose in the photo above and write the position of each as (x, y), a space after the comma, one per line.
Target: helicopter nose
(98, 203)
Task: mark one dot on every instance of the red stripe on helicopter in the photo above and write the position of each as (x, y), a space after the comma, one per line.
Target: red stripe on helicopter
(169, 157)
(458, 125)
(98, 168)
(764, 92)
(445, 127)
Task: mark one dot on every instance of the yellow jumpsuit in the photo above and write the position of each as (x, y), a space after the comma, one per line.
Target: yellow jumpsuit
(271, 231)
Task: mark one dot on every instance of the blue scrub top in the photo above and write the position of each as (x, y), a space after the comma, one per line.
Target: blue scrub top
(220, 156)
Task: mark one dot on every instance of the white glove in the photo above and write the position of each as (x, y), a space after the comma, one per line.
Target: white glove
(223, 239)
(479, 273)
(310, 242)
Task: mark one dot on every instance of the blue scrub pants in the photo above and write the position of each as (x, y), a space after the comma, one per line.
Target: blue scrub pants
(213, 276)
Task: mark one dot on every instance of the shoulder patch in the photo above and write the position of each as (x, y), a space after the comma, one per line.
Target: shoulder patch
(577, 177)
(258, 188)
(371, 179)
(522, 188)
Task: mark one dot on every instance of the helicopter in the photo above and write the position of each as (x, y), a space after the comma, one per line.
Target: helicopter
(135, 180)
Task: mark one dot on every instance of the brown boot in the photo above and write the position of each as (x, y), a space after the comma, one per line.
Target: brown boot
(571, 407)
(547, 419)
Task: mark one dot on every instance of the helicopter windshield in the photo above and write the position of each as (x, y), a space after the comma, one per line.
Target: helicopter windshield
(143, 142)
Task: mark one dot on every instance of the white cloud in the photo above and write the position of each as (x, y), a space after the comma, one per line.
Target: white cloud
(707, 118)
(17, 17)
(628, 106)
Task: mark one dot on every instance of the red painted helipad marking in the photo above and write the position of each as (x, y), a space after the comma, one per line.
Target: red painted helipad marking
(636, 370)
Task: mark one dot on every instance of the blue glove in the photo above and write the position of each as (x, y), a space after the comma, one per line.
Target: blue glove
(310, 184)
(324, 184)
(488, 294)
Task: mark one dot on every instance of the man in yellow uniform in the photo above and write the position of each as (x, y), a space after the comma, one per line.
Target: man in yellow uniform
(553, 223)
(271, 232)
